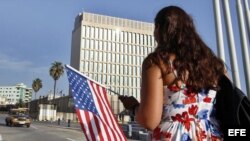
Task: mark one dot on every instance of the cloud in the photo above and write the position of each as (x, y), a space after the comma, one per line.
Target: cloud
(9, 63)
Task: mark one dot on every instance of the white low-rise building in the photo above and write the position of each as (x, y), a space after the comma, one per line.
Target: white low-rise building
(16, 94)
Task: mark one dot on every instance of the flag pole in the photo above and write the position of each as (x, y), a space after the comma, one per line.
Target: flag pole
(113, 92)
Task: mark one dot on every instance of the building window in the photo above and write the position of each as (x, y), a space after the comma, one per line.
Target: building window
(91, 44)
(141, 39)
(129, 37)
(137, 38)
(145, 40)
(95, 67)
(109, 46)
(126, 49)
(87, 44)
(86, 56)
(97, 47)
(92, 32)
(129, 49)
(121, 39)
(96, 55)
(104, 56)
(133, 49)
(109, 34)
(113, 57)
(96, 32)
(100, 56)
(109, 57)
(105, 46)
(101, 33)
(113, 35)
(100, 46)
(87, 31)
(117, 58)
(105, 34)
(133, 38)
(83, 31)
(121, 70)
(125, 37)
(91, 55)
(104, 68)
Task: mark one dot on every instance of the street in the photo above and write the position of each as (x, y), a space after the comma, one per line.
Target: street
(42, 131)
(38, 132)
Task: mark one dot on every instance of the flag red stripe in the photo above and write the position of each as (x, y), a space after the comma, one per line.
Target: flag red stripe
(118, 128)
(101, 106)
(103, 98)
(100, 133)
(104, 131)
(81, 123)
(86, 113)
(110, 113)
(116, 121)
(107, 122)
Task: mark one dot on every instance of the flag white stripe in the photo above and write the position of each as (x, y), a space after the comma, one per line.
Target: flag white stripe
(101, 113)
(102, 128)
(94, 127)
(113, 118)
(84, 121)
(109, 112)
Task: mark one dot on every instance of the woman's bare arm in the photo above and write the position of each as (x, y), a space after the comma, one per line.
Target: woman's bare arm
(150, 109)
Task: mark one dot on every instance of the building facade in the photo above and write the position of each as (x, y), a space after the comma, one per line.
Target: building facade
(110, 50)
(16, 94)
(2, 101)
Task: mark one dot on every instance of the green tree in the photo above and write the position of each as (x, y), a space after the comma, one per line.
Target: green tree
(56, 71)
(37, 85)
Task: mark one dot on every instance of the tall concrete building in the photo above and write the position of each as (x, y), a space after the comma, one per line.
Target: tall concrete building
(110, 50)
(16, 94)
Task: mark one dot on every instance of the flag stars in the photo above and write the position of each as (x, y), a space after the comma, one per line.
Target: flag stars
(81, 90)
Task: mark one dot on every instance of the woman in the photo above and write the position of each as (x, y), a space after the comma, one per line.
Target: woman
(179, 82)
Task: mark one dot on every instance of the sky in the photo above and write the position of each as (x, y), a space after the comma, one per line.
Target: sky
(36, 33)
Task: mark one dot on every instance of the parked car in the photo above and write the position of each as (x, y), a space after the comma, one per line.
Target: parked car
(18, 117)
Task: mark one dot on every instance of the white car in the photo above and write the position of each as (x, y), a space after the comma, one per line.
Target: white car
(18, 117)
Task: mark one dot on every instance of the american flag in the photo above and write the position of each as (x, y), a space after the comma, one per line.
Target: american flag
(93, 109)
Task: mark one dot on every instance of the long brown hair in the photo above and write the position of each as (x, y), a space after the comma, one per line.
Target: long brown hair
(175, 34)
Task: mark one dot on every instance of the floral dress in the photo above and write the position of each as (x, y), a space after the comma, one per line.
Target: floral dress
(187, 116)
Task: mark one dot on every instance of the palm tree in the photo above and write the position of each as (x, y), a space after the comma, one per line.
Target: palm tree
(56, 71)
(37, 85)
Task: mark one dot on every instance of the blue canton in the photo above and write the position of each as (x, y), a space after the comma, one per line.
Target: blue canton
(82, 95)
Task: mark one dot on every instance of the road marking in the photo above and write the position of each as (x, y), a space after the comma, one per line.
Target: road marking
(33, 127)
(70, 139)
(1, 137)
